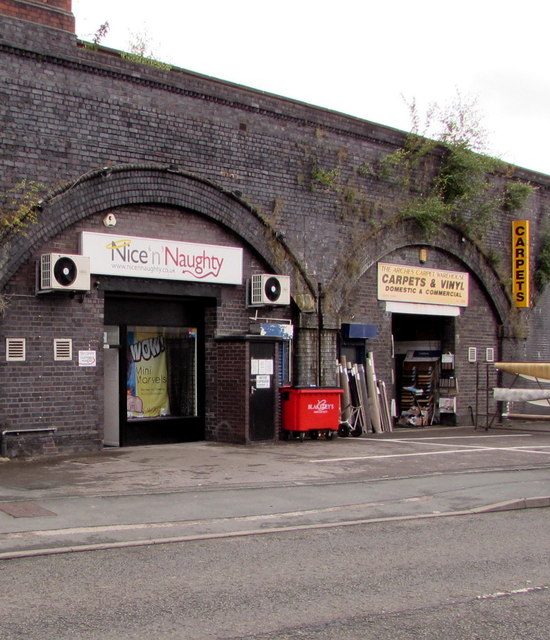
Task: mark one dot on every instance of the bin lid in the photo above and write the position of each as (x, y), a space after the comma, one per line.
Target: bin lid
(310, 388)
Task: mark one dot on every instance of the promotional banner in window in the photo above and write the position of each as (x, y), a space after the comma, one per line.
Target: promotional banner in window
(161, 372)
(147, 384)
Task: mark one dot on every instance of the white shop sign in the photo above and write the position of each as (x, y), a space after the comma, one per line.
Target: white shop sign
(120, 255)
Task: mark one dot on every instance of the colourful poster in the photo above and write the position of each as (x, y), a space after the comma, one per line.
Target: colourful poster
(147, 383)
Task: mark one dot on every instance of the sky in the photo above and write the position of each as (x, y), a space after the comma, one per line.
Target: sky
(365, 58)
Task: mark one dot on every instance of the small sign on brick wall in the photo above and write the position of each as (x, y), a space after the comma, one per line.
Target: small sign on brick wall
(87, 358)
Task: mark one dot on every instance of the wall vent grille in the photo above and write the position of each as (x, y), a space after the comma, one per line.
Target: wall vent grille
(16, 350)
(63, 349)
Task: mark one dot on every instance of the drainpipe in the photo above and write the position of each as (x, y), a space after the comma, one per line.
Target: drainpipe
(320, 296)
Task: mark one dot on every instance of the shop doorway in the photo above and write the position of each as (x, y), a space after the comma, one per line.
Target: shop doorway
(423, 347)
(153, 371)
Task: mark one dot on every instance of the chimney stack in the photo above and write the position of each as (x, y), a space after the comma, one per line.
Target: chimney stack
(50, 13)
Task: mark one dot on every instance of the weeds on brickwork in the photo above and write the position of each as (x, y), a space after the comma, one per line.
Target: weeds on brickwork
(19, 206)
(443, 168)
(4, 304)
(324, 177)
(516, 195)
(429, 213)
(142, 51)
(135, 57)
(102, 31)
(542, 268)
(493, 258)
(518, 324)
(444, 179)
(461, 193)
(140, 48)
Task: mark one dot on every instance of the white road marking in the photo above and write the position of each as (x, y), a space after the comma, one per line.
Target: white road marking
(514, 592)
(458, 448)
(511, 435)
(472, 447)
(401, 455)
(446, 444)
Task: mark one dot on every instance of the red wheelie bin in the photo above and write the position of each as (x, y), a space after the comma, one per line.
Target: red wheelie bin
(311, 411)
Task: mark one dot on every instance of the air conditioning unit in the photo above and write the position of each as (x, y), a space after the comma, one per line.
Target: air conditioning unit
(269, 289)
(59, 272)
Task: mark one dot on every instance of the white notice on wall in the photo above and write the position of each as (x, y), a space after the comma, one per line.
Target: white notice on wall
(87, 358)
(263, 382)
(261, 367)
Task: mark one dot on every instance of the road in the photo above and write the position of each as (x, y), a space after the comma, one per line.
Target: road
(450, 578)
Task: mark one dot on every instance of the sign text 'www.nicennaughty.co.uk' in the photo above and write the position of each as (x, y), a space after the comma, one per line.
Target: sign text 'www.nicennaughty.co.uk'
(166, 259)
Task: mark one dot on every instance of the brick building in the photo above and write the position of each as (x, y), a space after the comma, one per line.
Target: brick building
(163, 193)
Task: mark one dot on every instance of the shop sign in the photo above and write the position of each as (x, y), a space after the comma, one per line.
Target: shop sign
(520, 263)
(165, 259)
(404, 283)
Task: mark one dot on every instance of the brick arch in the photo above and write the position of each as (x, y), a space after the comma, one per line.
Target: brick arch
(113, 187)
(450, 241)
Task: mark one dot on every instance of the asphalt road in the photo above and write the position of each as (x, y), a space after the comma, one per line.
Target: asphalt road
(453, 578)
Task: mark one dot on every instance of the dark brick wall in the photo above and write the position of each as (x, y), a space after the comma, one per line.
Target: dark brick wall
(50, 13)
(44, 393)
(178, 155)
(233, 388)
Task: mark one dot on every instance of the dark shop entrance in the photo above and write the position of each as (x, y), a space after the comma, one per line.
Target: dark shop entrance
(424, 348)
(153, 370)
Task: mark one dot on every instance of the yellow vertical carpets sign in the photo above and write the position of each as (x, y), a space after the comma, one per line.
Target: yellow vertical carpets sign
(520, 263)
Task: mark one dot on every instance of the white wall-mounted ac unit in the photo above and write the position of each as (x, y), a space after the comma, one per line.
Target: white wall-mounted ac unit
(269, 289)
(60, 272)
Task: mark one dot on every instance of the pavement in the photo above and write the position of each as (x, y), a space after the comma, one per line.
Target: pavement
(146, 495)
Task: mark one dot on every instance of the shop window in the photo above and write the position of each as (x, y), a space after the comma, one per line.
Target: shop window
(161, 372)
